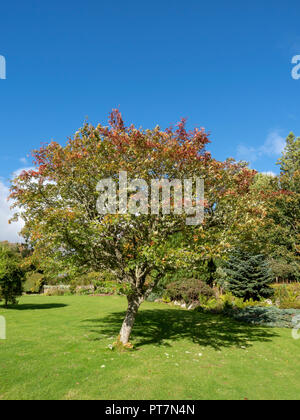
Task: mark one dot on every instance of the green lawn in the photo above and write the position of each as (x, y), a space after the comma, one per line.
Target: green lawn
(57, 348)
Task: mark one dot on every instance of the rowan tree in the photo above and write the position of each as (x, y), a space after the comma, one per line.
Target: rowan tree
(58, 202)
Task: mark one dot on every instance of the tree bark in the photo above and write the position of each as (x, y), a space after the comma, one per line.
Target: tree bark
(134, 302)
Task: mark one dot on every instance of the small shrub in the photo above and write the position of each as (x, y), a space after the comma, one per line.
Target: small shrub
(287, 304)
(211, 305)
(55, 292)
(60, 290)
(287, 295)
(226, 303)
(188, 290)
(270, 317)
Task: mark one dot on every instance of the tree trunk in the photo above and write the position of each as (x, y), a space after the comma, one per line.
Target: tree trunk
(134, 303)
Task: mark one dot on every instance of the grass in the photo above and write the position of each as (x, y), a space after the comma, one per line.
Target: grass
(57, 348)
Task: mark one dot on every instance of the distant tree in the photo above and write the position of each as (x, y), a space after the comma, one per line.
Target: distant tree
(11, 276)
(281, 194)
(248, 276)
(290, 164)
(285, 209)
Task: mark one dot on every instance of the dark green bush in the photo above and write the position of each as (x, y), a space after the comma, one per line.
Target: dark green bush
(188, 290)
(11, 276)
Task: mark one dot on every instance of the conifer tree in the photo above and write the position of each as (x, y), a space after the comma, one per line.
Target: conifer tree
(248, 275)
(290, 164)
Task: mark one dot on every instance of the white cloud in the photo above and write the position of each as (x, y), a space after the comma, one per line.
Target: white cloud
(270, 173)
(273, 146)
(8, 232)
(23, 160)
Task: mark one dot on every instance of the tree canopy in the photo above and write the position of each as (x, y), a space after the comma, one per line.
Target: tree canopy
(58, 201)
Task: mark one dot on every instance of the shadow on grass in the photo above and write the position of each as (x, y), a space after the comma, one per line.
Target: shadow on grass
(157, 325)
(28, 306)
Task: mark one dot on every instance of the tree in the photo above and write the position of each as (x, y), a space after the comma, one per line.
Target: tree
(281, 231)
(248, 275)
(58, 201)
(286, 210)
(11, 276)
(290, 164)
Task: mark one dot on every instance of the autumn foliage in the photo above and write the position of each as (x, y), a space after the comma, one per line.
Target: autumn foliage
(58, 199)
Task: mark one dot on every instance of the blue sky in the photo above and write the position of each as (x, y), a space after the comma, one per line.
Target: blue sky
(225, 65)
